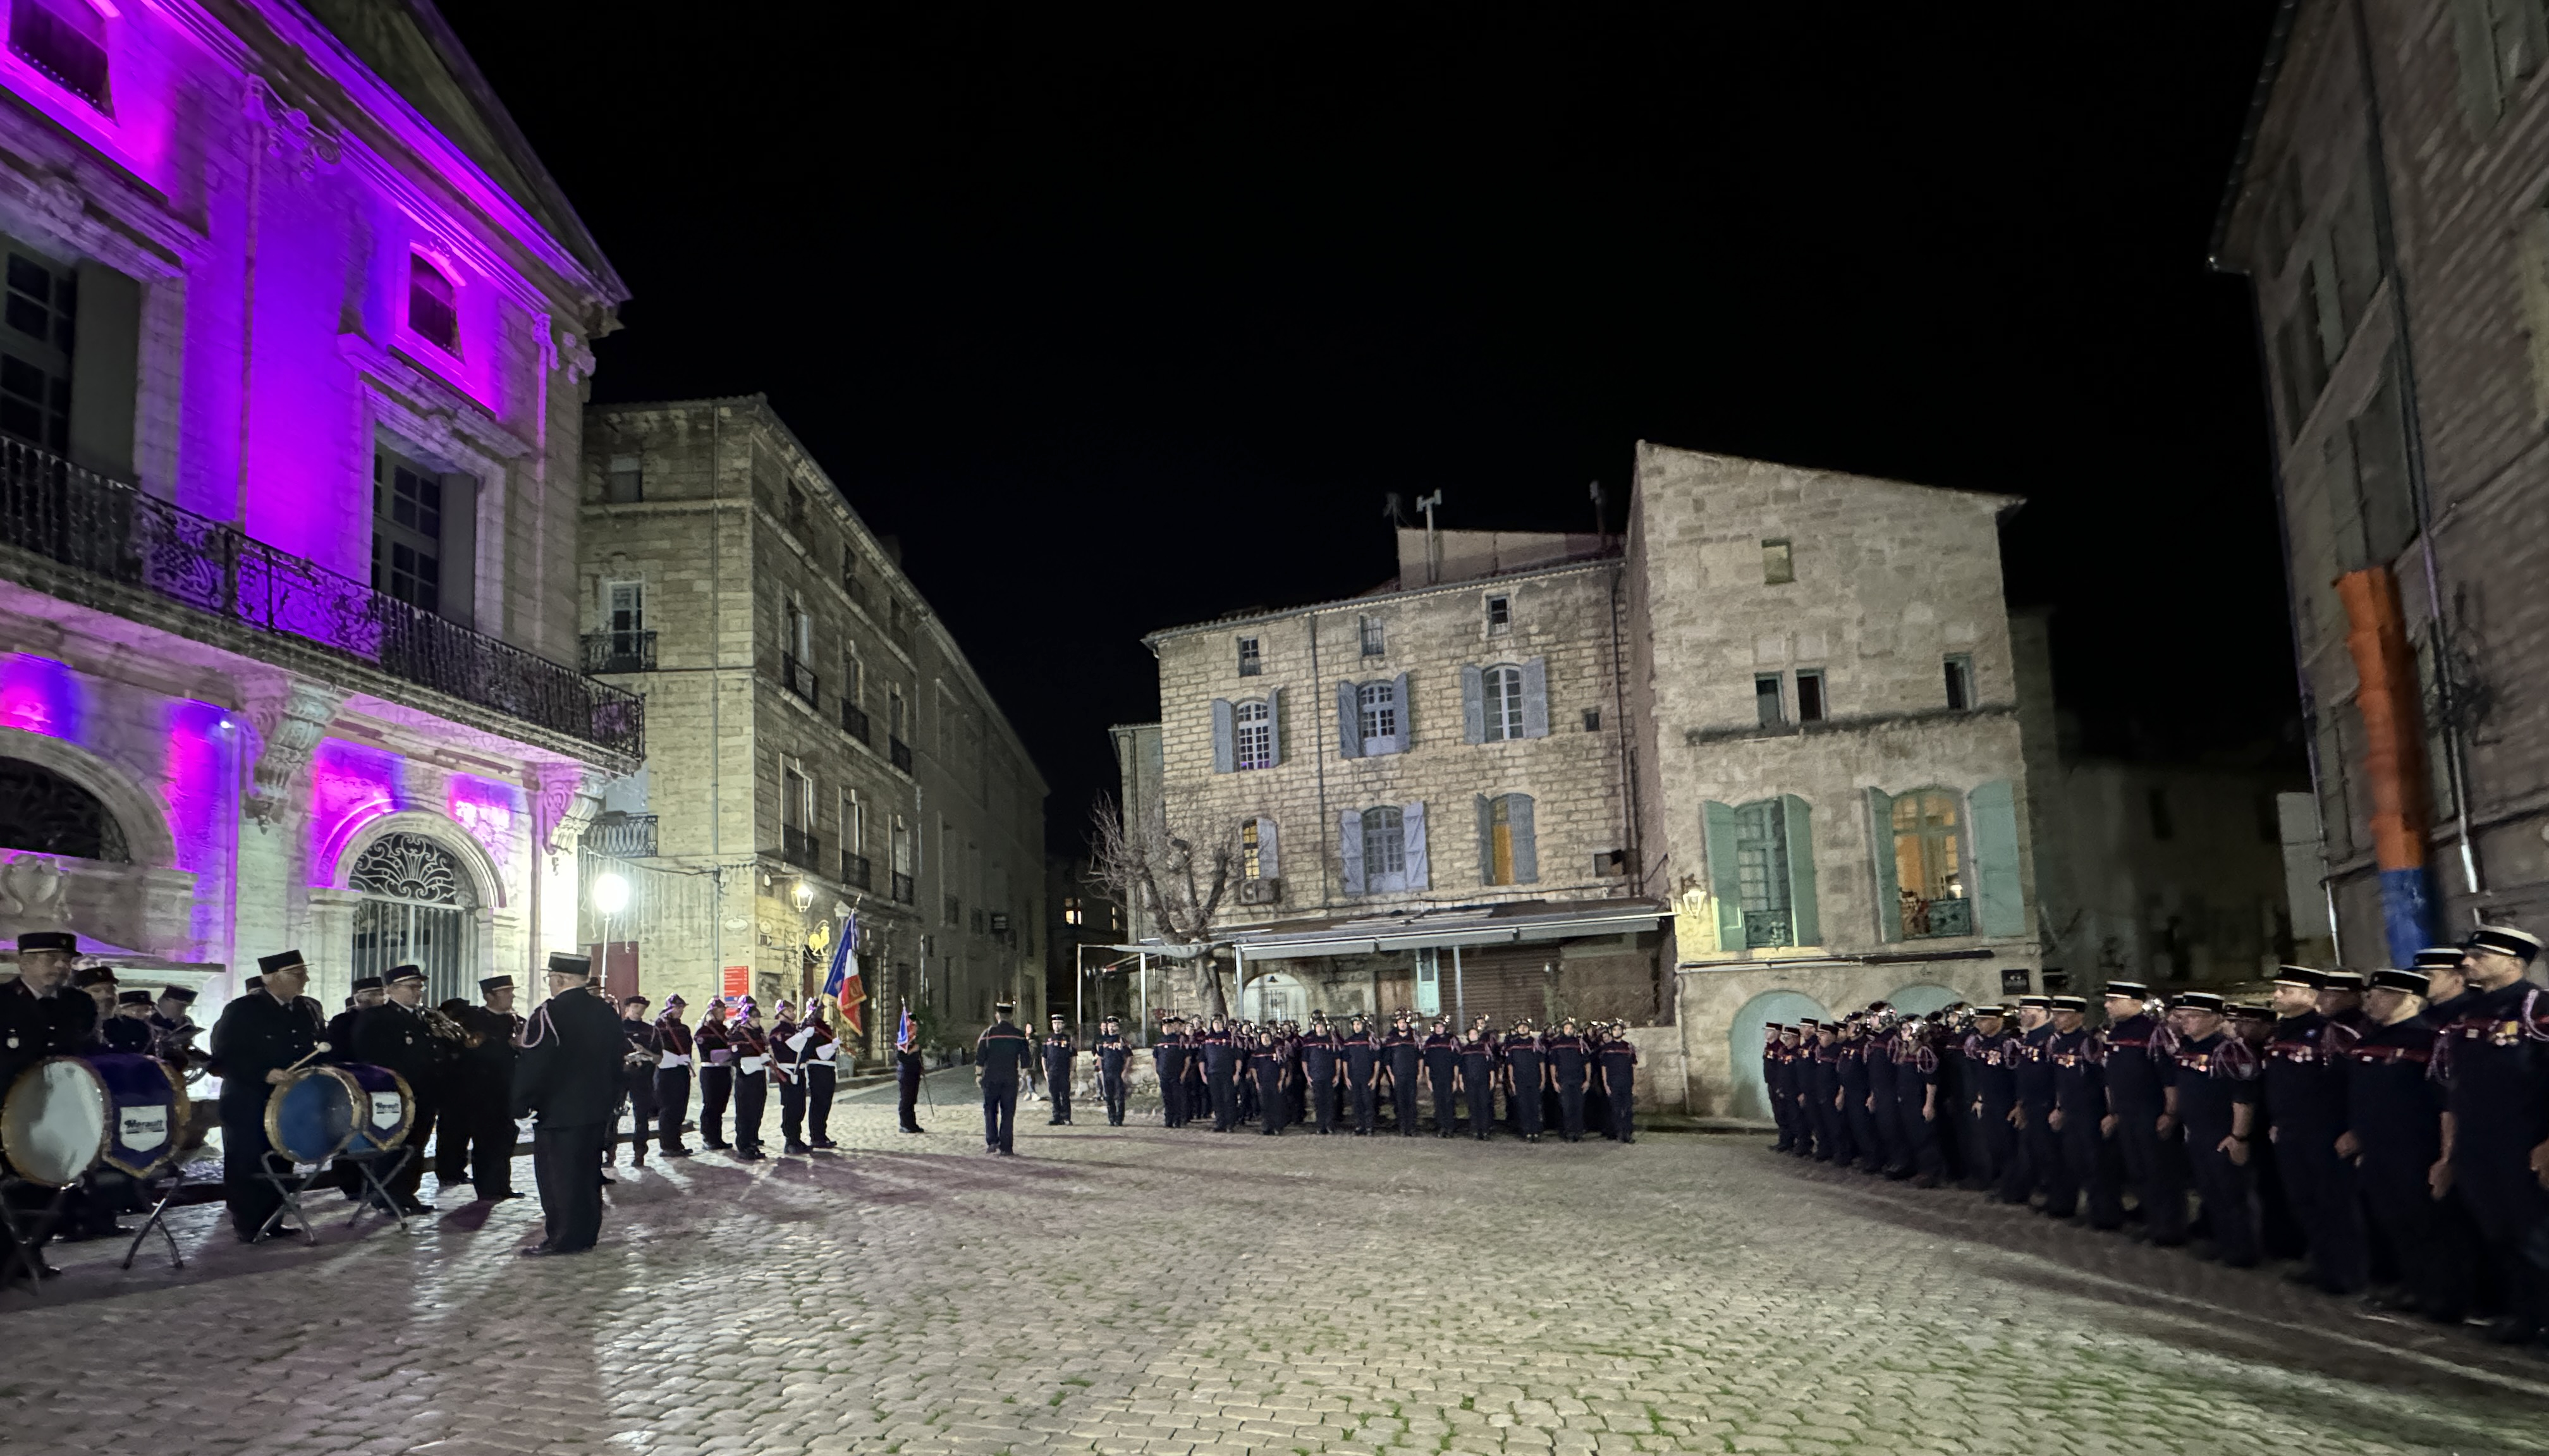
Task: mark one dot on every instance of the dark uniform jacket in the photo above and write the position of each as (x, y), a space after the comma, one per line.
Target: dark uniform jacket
(1003, 1053)
(257, 1035)
(128, 1035)
(568, 1069)
(34, 1027)
(394, 1037)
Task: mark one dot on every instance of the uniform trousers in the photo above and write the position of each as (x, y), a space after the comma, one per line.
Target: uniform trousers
(411, 1168)
(1403, 1101)
(2228, 1191)
(1057, 1081)
(1223, 1090)
(2498, 1187)
(641, 1117)
(2087, 1158)
(672, 1105)
(792, 1107)
(1570, 1106)
(716, 1085)
(2319, 1186)
(821, 1081)
(563, 1159)
(1481, 1090)
(245, 1153)
(1619, 1092)
(1366, 1107)
(1110, 1090)
(1446, 1106)
(1000, 1110)
(2046, 1170)
(907, 1087)
(1862, 1127)
(2156, 1169)
(751, 1096)
(2010, 1179)
(1524, 1101)
(1271, 1104)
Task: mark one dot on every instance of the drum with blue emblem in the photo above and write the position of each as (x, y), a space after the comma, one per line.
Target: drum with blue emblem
(311, 1115)
(384, 1107)
(67, 1115)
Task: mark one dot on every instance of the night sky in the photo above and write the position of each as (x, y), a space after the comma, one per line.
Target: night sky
(1125, 321)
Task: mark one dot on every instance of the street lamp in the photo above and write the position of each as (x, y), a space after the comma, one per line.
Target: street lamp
(802, 896)
(610, 894)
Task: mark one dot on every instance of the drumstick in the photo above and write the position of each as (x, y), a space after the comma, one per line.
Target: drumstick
(314, 1051)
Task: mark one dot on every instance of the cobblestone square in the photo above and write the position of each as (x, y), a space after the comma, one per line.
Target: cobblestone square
(1148, 1291)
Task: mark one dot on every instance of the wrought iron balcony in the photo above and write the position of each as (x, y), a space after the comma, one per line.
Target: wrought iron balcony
(854, 720)
(1928, 919)
(902, 886)
(900, 753)
(109, 530)
(799, 678)
(856, 872)
(803, 849)
(623, 836)
(1768, 928)
(618, 651)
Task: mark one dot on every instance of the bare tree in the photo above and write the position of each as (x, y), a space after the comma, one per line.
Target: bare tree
(1180, 880)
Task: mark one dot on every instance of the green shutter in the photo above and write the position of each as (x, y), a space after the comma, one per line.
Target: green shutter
(1801, 870)
(1725, 881)
(1994, 809)
(1880, 836)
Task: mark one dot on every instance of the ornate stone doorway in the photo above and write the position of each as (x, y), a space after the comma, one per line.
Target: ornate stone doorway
(416, 908)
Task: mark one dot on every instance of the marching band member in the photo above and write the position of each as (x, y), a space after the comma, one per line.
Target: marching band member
(568, 1075)
(637, 1076)
(717, 1072)
(787, 1043)
(751, 1047)
(258, 1040)
(822, 1071)
(673, 1049)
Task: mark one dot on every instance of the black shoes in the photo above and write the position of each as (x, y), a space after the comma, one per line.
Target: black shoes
(825, 1142)
(675, 1152)
(795, 1146)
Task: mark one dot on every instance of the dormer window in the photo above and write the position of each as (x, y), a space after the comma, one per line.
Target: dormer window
(433, 312)
(66, 40)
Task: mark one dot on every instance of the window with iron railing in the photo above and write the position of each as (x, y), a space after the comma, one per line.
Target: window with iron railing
(900, 752)
(803, 849)
(618, 651)
(902, 888)
(856, 872)
(797, 678)
(854, 720)
(108, 529)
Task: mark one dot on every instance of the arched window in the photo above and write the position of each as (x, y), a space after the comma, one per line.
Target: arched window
(1252, 735)
(66, 40)
(417, 909)
(44, 813)
(432, 304)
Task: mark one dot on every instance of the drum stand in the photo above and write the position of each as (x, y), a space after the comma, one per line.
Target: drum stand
(289, 1185)
(27, 1250)
(381, 1197)
(160, 1220)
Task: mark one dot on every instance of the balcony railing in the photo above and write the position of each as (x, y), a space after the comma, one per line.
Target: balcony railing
(803, 849)
(1768, 928)
(856, 872)
(902, 886)
(623, 836)
(1926, 918)
(854, 720)
(900, 753)
(112, 530)
(797, 678)
(618, 651)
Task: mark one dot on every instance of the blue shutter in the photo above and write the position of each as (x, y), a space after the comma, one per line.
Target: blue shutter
(1534, 698)
(1406, 719)
(1802, 915)
(1993, 808)
(1273, 728)
(1350, 848)
(1526, 853)
(1225, 756)
(1474, 705)
(1724, 880)
(1349, 729)
(1486, 841)
(1413, 818)
(1889, 886)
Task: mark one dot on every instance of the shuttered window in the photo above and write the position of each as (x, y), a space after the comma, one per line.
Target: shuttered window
(1508, 853)
(1382, 848)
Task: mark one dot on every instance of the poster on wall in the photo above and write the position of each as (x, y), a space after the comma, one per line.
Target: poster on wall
(738, 981)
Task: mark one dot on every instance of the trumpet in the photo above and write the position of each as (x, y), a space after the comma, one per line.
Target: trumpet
(440, 1024)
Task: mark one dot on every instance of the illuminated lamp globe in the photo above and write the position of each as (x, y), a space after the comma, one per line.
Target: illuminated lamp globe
(610, 894)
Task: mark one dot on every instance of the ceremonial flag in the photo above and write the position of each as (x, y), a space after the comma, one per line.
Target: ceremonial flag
(842, 982)
(903, 1032)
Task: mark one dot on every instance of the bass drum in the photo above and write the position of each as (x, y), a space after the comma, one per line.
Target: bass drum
(66, 1114)
(384, 1107)
(311, 1115)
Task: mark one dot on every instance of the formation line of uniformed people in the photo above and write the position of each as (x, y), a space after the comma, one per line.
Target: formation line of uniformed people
(2389, 1133)
(1570, 1079)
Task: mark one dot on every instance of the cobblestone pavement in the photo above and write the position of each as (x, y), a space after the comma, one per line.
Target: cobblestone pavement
(1141, 1290)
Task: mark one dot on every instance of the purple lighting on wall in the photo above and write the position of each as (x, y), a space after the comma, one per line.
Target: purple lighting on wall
(39, 696)
(488, 810)
(196, 780)
(349, 787)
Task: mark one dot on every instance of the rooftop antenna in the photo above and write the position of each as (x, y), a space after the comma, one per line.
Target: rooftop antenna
(1395, 505)
(1433, 547)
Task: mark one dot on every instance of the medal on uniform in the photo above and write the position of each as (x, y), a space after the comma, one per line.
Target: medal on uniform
(2508, 1032)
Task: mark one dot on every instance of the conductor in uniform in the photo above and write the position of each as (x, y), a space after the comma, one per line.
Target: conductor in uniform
(259, 1036)
(1000, 1056)
(568, 1075)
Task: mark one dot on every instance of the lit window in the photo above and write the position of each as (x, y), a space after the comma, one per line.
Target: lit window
(66, 40)
(1071, 912)
(1251, 859)
(1250, 664)
(1778, 564)
(433, 308)
(1503, 693)
(1251, 735)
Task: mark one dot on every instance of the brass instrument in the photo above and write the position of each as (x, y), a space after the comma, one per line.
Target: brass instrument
(440, 1024)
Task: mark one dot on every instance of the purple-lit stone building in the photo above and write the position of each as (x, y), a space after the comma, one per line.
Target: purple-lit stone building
(292, 350)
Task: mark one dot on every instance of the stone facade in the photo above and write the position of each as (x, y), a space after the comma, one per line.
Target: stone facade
(282, 279)
(2386, 208)
(816, 735)
(1833, 817)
